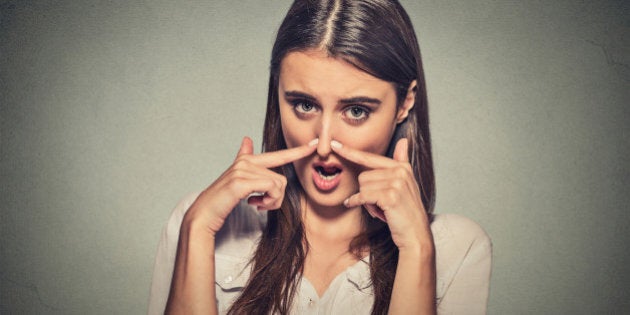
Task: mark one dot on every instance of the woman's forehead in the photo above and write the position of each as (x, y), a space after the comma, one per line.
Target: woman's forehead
(314, 71)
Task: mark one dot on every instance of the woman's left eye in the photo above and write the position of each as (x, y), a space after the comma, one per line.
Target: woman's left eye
(357, 113)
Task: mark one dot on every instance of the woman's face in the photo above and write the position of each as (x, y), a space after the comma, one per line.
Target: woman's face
(330, 99)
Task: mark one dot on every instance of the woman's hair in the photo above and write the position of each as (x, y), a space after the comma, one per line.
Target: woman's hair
(377, 37)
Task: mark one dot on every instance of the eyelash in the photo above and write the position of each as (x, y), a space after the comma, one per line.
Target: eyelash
(298, 107)
(299, 104)
(365, 113)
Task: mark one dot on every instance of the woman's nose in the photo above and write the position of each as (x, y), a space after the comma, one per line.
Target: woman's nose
(325, 136)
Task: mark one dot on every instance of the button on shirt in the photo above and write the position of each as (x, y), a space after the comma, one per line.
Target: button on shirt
(463, 263)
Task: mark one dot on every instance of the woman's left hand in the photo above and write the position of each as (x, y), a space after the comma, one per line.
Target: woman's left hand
(389, 191)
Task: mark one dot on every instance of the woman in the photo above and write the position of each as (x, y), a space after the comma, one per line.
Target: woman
(347, 177)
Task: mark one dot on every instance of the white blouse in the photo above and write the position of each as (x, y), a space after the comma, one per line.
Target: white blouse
(463, 262)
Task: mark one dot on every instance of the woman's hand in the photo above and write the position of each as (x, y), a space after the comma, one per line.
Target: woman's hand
(192, 286)
(249, 174)
(389, 191)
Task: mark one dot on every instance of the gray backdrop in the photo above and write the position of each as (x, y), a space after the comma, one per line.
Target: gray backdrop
(111, 111)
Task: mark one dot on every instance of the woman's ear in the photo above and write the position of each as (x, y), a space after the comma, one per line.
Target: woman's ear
(408, 102)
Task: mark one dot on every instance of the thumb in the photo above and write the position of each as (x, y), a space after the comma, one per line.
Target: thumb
(400, 152)
(247, 146)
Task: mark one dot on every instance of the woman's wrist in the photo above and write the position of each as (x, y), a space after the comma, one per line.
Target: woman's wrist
(420, 251)
(414, 286)
(192, 286)
(198, 221)
(417, 241)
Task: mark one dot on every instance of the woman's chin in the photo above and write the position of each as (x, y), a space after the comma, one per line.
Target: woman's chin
(326, 203)
(327, 199)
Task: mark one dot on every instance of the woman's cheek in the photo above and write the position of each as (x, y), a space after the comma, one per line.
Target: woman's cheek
(293, 140)
(367, 143)
(296, 132)
(289, 138)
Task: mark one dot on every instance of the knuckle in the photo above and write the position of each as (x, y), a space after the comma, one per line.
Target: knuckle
(278, 203)
(237, 173)
(361, 199)
(234, 185)
(241, 162)
(283, 181)
(275, 185)
(391, 196)
(399, 183)
(401, 172)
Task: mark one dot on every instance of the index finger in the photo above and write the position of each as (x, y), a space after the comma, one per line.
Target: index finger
(363, 158)
(281, 157)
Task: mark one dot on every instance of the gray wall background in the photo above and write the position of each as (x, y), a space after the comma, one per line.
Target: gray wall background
(111, 111)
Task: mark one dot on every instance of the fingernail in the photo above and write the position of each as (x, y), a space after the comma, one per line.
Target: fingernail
(336, 144)
(314, 142)
(345, 202)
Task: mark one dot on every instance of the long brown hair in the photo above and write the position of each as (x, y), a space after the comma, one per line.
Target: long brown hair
(377, 37)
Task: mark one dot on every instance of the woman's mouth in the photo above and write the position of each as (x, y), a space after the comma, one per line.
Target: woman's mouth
(326, 176)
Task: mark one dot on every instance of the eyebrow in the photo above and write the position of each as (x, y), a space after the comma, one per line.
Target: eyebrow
(296, 94)
(351, 100)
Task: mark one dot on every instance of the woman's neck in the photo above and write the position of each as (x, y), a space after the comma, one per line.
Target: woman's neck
(329, 232)
(331, 224)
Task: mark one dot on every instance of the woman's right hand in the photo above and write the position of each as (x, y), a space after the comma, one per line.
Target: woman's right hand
(249, 173)
(193, 282)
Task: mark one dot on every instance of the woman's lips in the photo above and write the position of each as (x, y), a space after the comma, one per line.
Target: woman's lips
(326, 177)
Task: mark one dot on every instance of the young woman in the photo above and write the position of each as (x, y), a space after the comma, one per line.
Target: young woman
(347, 179)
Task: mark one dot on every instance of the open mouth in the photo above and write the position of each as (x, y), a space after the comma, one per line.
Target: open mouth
(328, 173)
(326, 177)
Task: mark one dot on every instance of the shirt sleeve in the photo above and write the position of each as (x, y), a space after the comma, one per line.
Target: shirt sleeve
(236, 238)
(165, 257)
(467, 263)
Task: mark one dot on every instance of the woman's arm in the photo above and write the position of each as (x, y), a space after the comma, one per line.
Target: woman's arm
(464, 261)
(414, 285)
(192, 287)
(193, 284)
(389, 191)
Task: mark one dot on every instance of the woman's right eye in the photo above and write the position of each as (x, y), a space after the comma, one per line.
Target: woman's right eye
(303, 107)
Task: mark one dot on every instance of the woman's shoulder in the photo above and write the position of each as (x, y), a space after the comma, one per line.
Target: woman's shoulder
(458, 238)
(463, 257)
(450, 227)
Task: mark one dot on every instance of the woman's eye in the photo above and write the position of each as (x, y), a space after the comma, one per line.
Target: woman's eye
(303, 107)
(357, 113)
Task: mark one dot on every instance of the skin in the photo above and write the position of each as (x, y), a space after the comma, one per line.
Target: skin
(325, 99)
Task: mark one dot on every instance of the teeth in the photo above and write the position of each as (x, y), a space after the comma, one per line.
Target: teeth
(326, 177)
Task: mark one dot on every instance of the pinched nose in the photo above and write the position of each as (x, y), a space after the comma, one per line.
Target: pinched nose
(324, 133)
(323, 146)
